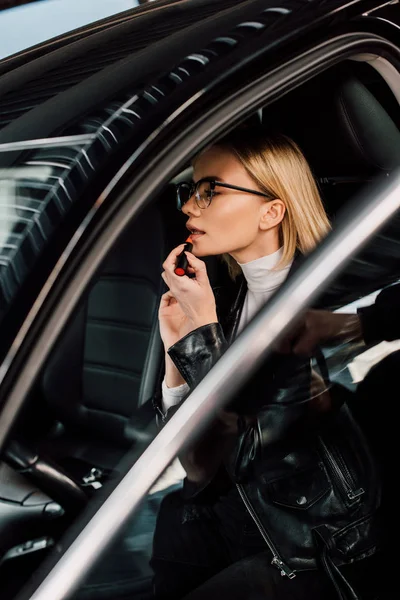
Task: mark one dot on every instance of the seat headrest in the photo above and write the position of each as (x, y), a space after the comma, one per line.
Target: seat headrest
(341, 127)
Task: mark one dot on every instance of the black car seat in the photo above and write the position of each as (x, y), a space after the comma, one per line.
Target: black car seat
(107, 362)
(349, 139)
(348, 134)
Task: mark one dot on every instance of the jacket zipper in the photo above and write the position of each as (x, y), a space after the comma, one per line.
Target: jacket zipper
(276, 559)
(341, 474)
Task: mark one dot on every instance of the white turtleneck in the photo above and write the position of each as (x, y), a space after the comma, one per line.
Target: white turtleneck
(263, 279)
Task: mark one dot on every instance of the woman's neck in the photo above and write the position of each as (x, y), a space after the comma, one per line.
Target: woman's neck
(267, 244)
(262, 274)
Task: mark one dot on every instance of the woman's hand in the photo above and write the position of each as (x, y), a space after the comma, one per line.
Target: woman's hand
(320, 328)
(172, 320)
(189, 303)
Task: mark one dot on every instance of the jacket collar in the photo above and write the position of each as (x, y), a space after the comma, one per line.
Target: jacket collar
(230, 301)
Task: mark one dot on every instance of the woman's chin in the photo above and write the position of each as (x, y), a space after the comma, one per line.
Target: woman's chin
(199, 249)
(202, 251)
(202, 248)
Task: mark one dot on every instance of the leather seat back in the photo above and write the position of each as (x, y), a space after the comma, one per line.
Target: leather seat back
(345, 132)
(107, 362)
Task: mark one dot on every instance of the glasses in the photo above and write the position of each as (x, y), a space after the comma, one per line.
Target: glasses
(204, 190)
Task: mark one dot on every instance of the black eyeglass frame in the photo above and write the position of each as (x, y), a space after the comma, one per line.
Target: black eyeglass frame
(193, 190)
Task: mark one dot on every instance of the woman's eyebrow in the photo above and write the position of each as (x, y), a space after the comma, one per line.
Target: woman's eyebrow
(211, 178)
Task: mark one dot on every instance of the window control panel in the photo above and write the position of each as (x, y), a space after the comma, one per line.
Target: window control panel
(28, 547)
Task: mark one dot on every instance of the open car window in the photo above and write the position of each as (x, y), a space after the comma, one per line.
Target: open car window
(104, 459)
(126, 564)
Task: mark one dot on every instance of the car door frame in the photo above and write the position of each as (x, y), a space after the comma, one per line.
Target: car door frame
(161, 143)
(88, 250)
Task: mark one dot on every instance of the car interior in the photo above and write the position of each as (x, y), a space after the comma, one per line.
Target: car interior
(94, 395)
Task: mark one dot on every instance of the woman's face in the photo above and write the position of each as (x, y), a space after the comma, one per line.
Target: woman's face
(232, 223)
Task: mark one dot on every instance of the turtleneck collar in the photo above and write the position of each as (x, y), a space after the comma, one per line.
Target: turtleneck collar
(261, 275)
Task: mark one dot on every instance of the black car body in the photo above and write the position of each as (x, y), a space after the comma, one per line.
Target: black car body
(94, 126)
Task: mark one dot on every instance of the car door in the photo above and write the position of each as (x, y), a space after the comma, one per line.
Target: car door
(140, 480)
(80, 263)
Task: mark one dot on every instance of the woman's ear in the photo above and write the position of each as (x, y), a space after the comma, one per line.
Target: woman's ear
(272, 213)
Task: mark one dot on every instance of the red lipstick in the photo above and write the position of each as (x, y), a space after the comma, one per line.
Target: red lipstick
(182, 262)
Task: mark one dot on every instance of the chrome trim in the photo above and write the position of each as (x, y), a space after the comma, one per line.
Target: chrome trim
(47, 163)
(368, 12)
(231, 371)
(387, 21)
(55, 142)
(281, 10)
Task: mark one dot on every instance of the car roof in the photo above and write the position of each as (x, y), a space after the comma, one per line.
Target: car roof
(133, 51)
(159, 10)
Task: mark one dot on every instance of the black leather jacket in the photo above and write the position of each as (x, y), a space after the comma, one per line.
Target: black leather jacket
(310, 484)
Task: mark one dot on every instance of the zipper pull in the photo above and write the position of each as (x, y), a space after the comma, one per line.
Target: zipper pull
(355, 494)
(284, 569)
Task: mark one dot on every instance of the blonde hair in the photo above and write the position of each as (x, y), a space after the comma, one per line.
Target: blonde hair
(279, 168)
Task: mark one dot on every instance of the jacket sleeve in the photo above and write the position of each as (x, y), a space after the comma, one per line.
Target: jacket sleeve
(278, 394)
(381, 321)
(277, 397)
(194, 356)
(196, 353)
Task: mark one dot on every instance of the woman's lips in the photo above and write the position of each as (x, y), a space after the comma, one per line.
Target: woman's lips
(196, 233)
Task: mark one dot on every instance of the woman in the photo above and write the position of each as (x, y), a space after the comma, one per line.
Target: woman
(281, 494)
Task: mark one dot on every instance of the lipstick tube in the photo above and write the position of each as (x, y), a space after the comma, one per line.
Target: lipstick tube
(182, 262)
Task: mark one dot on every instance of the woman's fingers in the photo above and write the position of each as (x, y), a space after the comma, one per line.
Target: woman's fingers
(170, 261)
(198, 266)
(167, 299)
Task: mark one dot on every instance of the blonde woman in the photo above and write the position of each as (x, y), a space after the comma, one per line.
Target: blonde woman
(280, 499)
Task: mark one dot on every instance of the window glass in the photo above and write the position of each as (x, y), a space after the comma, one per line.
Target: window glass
(41, 181)
(34, 199)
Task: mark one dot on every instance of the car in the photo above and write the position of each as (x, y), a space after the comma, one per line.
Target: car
(96, 127)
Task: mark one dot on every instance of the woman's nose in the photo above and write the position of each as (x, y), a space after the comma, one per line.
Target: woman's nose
(190, 207)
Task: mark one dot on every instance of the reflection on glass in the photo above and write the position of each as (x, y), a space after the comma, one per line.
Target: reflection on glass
(46, 179)
(24, 220)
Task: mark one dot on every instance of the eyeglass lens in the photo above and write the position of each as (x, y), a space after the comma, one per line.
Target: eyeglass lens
(202, 192)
